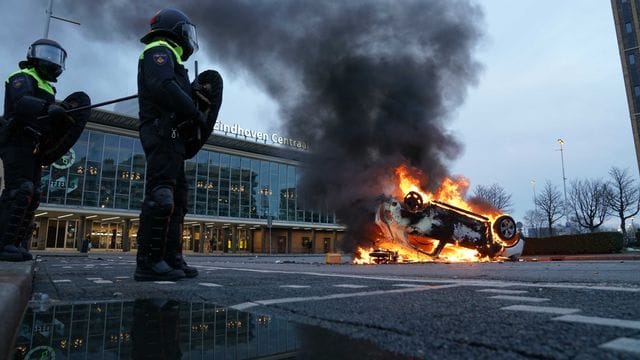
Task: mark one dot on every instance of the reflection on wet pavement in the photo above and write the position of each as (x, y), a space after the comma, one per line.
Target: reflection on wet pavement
(168, 329)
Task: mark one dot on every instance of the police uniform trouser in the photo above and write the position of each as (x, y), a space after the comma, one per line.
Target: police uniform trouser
(21, 195)
(166, 192)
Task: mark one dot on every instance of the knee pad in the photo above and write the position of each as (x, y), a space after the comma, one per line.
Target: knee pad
(160, 201)
(25, 188)
(35, 200)
(23, 194)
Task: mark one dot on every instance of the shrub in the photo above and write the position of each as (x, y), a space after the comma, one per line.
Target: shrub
(592, 243)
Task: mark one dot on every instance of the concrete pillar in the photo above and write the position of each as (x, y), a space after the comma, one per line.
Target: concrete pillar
(234, 238)
(203, 231)
(42, 234)
(126, 241)
(314, 243)
(81, 233)
(334, 241)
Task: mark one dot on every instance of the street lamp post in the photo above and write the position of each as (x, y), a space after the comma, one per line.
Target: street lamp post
(533, 188)
(564, 179)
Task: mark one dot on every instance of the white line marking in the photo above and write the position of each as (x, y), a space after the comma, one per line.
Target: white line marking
(209, 284)
(518, 298)
(501, 291)
(629, 324)
(164, 282)
(103, 282)
(295, 286)
(67, 267)
(123, 277)
(406, 285)
(623, 344)
(62, 281)
(461, 282)
(250, 304)
(350, 286)
(94, 278)
(541, 309)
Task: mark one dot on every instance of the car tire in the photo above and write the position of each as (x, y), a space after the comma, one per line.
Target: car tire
(505, 228)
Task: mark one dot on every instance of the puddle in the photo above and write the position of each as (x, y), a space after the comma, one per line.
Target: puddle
(167, 329)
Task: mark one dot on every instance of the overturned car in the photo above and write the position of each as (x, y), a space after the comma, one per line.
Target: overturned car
(416, 224)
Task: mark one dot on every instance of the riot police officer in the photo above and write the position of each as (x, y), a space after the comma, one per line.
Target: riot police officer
(176, 119)
(30, 115)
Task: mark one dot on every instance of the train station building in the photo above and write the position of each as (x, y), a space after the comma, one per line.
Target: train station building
(243, 195)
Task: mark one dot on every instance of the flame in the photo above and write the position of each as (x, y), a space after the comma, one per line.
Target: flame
(452, 192)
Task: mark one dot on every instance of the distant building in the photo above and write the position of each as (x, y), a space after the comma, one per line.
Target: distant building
(243, 193)
(626, 14)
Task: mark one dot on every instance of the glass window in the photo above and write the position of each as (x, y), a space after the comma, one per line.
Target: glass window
(235, 187)
(628, 27)
(124, 173)
(201, 182)
(636, 90)
(190, 173)
(274, 189)
(632, 59)
(225, 176)
(213, 185)
(137, 176)
(75, 189)
(245, 188)
(254, 190)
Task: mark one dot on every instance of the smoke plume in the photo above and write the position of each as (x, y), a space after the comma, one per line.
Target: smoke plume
(369, 84)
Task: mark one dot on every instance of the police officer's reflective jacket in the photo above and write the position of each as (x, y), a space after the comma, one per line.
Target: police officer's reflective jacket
(164, 89)
(27, 96)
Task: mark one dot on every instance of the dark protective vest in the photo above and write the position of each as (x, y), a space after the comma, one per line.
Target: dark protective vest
(152, 104)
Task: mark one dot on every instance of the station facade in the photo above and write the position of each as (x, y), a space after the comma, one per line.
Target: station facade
(243, 195)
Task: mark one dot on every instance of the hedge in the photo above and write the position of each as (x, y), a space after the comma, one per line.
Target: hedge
(592, 243)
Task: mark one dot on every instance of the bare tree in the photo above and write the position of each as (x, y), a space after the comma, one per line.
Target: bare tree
(588, 200)
(624, 199)
(550, 203)
(494, 195)
(534, 220)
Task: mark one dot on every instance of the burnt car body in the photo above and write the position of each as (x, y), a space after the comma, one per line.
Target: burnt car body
(416, 224)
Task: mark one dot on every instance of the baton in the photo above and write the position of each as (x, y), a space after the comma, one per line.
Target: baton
(109, 102)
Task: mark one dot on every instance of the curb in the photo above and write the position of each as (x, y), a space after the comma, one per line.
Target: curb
(602, 257)
(16, 280)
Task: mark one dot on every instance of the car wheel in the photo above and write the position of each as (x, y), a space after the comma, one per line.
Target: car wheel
(413, 201)
(505, 228)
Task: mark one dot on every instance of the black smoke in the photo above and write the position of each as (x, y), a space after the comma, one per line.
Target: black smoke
(369, 84)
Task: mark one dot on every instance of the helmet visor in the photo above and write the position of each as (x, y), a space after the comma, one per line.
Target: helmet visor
(49, 53)
(190, 35)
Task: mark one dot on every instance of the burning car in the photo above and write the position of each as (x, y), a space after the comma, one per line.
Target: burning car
(415, 224)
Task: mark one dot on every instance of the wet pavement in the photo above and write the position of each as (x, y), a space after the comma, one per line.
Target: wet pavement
(519, 310)
(170, 329)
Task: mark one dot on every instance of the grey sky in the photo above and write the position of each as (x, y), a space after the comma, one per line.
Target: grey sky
(551, 70)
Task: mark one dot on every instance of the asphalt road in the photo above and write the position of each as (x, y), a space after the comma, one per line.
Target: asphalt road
(519, 310)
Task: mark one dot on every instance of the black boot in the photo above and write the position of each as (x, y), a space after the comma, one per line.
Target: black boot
(174, 247)
(10, 253)
(25, 230)
(13, 208)
(150, 265)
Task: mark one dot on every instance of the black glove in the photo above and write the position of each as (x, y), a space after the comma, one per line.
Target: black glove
(56, 112)
(201, 95)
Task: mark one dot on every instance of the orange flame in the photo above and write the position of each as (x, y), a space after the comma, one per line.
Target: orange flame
(451, 191)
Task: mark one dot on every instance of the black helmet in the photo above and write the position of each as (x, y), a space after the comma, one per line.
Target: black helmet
(176, 26)
(48, 57)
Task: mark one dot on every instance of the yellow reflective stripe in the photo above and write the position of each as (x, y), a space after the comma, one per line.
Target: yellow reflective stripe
(42, 84)
(177, 51)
